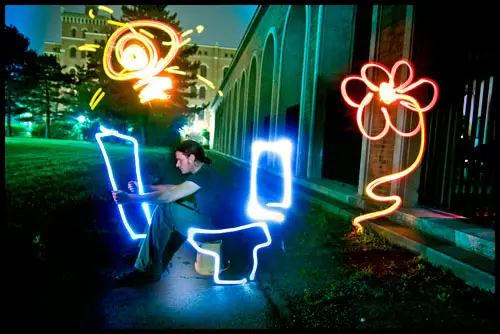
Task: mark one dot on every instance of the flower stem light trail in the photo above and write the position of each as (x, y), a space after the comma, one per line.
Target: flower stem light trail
(388, 94)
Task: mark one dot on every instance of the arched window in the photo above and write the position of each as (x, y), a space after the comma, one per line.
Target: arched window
(72, 52)
(96, 30)
(72, 71)
(73, 32)
(193, 91)
(84, 33)
(225, 71)
(202, 94)
(203, 71)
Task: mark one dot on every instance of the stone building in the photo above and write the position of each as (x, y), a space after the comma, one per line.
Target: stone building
(77, 29)
(285, 82)
(214, 64)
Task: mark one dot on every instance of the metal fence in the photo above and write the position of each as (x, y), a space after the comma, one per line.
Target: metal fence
(460, 169)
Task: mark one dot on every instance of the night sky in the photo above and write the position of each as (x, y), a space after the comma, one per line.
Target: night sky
(225, 24)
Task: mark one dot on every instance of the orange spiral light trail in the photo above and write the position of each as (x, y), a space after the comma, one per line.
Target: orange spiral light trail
(136, 52)
(133, 45)
(388, 94)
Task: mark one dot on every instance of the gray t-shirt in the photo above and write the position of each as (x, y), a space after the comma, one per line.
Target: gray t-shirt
(210, 198)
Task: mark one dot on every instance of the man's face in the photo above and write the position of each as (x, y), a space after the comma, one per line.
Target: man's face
(183, 163)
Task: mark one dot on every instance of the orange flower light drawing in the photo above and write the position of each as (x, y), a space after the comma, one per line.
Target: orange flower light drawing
(389, 93)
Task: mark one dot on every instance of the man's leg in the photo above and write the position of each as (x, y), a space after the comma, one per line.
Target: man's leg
(149, 259)
(185, 216)
(169, 221)
(174, 243)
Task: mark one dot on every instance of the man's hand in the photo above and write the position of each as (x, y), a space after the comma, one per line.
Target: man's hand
(120, 197)
(132, 186)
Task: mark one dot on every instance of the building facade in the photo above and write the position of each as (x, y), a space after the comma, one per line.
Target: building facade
(214, 64)
(285, 82)
(77, 29)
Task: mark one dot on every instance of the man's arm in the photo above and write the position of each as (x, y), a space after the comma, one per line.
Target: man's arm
(160, 187)
(160, 196)
(132, 186)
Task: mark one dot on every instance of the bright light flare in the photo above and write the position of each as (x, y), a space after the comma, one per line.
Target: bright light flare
(107, 132)
(120, 40)
(174, 71)
(147, 33)
(206, 81)
(388, 93)
(134, 58)
(193, 231)
(256, 211)
(91, 13)
(116, 23)
(185, 33)
(199, 29)
(106, 9)
(154, 89)
(86, 48)
(184, 42)
(96, 98)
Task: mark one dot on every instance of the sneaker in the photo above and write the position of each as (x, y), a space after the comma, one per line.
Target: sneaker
(134, 278)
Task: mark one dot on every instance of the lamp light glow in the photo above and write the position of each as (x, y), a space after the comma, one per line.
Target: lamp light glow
(109, 132)
(388, 94)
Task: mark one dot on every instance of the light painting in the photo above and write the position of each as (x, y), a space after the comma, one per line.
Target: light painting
(193, 231)
(105, 133)
(255, 211)
(135, 48)
(389, 93)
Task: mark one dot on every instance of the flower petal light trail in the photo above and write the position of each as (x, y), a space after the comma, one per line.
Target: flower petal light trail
(388, 93)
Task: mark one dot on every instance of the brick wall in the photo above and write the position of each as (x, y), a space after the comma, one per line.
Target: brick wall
(390, 50)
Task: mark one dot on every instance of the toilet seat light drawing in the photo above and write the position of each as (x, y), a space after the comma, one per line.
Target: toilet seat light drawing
(255, 211)
(106, 133)
(389, 94)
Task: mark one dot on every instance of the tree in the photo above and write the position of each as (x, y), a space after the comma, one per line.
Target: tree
(121, 106)
(176, 106)
(54, 89)
(18, 61)
(159, 13)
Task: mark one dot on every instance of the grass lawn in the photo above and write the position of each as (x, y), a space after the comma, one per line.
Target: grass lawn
(58, 204)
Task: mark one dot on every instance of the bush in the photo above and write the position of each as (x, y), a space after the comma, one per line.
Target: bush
(17, 130)
(59, 130)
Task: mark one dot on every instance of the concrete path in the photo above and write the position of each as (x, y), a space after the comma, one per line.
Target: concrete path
(184, 299)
